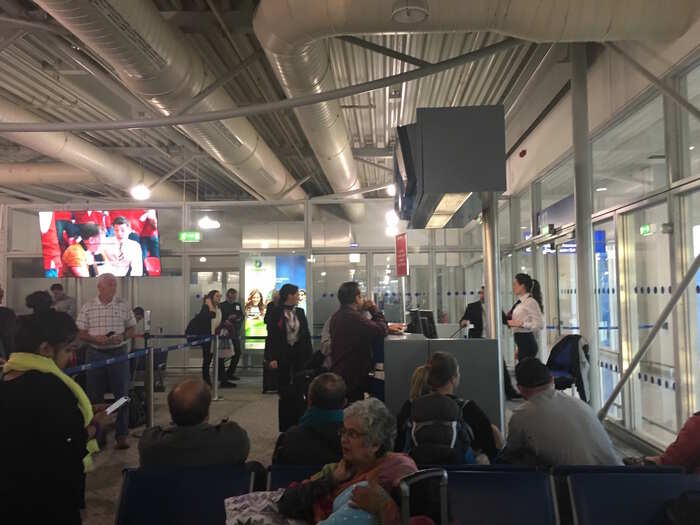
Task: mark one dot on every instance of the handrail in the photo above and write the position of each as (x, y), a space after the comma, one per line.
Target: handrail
(680, 290)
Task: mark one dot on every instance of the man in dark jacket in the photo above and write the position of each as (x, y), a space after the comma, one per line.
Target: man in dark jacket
(352, 335)
(232, 319)
(191, 440)
(315, 440)
(476, 315)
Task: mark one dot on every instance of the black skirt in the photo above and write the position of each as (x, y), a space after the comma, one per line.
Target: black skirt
(526, 343)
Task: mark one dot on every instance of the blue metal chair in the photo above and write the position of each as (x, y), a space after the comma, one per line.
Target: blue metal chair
(626, 499)
(180, 495)
(281, 476)
(502, 498)
(567, 470)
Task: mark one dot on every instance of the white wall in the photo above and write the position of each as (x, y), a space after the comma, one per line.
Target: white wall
(612, 84)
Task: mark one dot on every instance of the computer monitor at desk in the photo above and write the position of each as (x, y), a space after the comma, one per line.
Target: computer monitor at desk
(422, 322)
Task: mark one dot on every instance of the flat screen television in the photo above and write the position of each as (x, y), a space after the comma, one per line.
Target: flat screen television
(89, 243)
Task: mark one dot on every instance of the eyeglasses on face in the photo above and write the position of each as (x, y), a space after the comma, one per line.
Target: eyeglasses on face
(350, 433)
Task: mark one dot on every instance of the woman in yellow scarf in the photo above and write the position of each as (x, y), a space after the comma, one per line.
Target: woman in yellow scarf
(47, 425)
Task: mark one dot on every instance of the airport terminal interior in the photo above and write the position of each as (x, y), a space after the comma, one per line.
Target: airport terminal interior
(423, 149)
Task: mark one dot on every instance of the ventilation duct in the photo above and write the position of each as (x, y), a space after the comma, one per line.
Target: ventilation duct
(293, 32)
(40, 173)
(154, 60)
(109, 168)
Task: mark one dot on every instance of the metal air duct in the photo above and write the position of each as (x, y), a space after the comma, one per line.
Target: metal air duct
(109, 168)
(153, 59)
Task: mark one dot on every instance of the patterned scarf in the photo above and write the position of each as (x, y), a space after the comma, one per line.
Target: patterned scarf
(292, 325)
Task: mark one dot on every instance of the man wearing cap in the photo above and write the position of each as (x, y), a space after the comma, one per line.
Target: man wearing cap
(554, 428)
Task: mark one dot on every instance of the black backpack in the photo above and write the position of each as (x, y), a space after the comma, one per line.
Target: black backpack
(437, 432)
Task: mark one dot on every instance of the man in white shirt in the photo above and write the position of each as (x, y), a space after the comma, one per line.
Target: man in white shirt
(61, 301)
(106, 324)
(125, 255)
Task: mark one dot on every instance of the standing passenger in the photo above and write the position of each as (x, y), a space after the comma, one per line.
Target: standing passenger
(352, 335)
(61, 301)
(526, 318)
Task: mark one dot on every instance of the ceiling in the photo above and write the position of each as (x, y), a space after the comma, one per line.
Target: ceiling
(37, 74)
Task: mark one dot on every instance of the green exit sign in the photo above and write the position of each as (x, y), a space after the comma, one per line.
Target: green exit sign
(190, 236)
(645, 229)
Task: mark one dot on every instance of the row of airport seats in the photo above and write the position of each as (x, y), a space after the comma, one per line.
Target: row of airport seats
(478, 494)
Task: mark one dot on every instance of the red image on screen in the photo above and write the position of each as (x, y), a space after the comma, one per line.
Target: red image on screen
(89, 243)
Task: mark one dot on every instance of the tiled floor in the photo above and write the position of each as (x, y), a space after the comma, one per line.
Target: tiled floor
(255, 412)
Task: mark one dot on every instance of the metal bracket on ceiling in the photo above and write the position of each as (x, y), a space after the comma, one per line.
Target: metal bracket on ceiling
(382, 50)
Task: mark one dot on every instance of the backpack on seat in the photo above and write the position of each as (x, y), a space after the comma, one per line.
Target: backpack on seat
(438, 435)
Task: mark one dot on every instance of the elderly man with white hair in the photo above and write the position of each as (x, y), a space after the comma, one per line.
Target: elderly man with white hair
(106, 324)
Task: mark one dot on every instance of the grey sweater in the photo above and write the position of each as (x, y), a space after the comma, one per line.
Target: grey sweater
(560, 430)
(203, 444)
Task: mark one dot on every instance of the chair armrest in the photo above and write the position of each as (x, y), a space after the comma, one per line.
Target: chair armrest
(422, 475)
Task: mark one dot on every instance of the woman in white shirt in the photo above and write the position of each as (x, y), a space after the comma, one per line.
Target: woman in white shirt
(526, 318)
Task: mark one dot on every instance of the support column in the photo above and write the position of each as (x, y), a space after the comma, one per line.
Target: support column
(308, 247)
(492, 283)
(583, 198)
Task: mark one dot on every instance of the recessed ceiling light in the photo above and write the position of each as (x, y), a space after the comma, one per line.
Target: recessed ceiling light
(323, 274)
(691, 148)
(202, 259)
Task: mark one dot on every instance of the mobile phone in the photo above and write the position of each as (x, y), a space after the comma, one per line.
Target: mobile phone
(109, 334)
(111, 409)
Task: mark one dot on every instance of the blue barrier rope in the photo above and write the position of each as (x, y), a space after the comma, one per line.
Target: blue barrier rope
(133, 355)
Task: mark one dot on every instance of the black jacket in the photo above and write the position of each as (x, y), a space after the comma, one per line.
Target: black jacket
(204, 444)
(315, 444)
(201, 323)
(474, 314)
(276, 347)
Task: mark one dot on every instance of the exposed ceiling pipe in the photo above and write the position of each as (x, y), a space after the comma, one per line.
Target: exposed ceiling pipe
(41, 173)
(108, 168)
(153, 59)
(293, 33)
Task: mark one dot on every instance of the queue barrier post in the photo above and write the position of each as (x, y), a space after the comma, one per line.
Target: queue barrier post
(216, 369)
(148, 386)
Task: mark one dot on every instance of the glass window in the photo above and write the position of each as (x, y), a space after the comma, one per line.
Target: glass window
(504, 222)
(450, 282)
(692, 125)
(557, 197)
(629, 160)
(606, 311)
(647, 269)
(691, 221)
(525, 207)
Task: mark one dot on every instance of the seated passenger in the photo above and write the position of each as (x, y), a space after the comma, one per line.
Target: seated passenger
(552, 428)
(431, 443)
(192, 440)
(367, 436)
(315, 440)
(685, 450)
(419, 387)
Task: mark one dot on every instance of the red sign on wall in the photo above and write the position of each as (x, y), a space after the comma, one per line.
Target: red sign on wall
(401, 255)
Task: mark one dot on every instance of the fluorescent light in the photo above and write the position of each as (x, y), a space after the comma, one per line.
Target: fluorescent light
(391, 231)
(202, 259)
(208, 224)
(601, 189)
(391, 218)
(141, 192)
(438, 221)
(451, 202)
(391, 190)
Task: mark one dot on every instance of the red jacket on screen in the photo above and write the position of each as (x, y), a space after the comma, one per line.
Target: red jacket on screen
(685, 450)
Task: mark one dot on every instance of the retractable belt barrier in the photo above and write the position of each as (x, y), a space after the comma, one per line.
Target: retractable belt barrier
(141, 352)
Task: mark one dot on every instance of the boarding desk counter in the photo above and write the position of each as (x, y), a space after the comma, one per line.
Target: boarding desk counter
(478, 364)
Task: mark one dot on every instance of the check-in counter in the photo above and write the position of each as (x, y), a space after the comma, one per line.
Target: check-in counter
(478, 365)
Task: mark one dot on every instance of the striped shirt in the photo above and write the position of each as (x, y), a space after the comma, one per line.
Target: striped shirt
(100, 319)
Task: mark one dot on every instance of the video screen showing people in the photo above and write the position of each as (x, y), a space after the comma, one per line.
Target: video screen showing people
(89, 243)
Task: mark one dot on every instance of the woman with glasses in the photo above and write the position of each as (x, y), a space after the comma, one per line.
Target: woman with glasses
(365, 476)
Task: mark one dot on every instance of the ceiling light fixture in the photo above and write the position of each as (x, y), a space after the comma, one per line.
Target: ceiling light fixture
(323, 274)
(601, 189)
(449, 204)
(207, 223)
(391, 190)
(202, 259)
(691, 148)
(141, 192)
